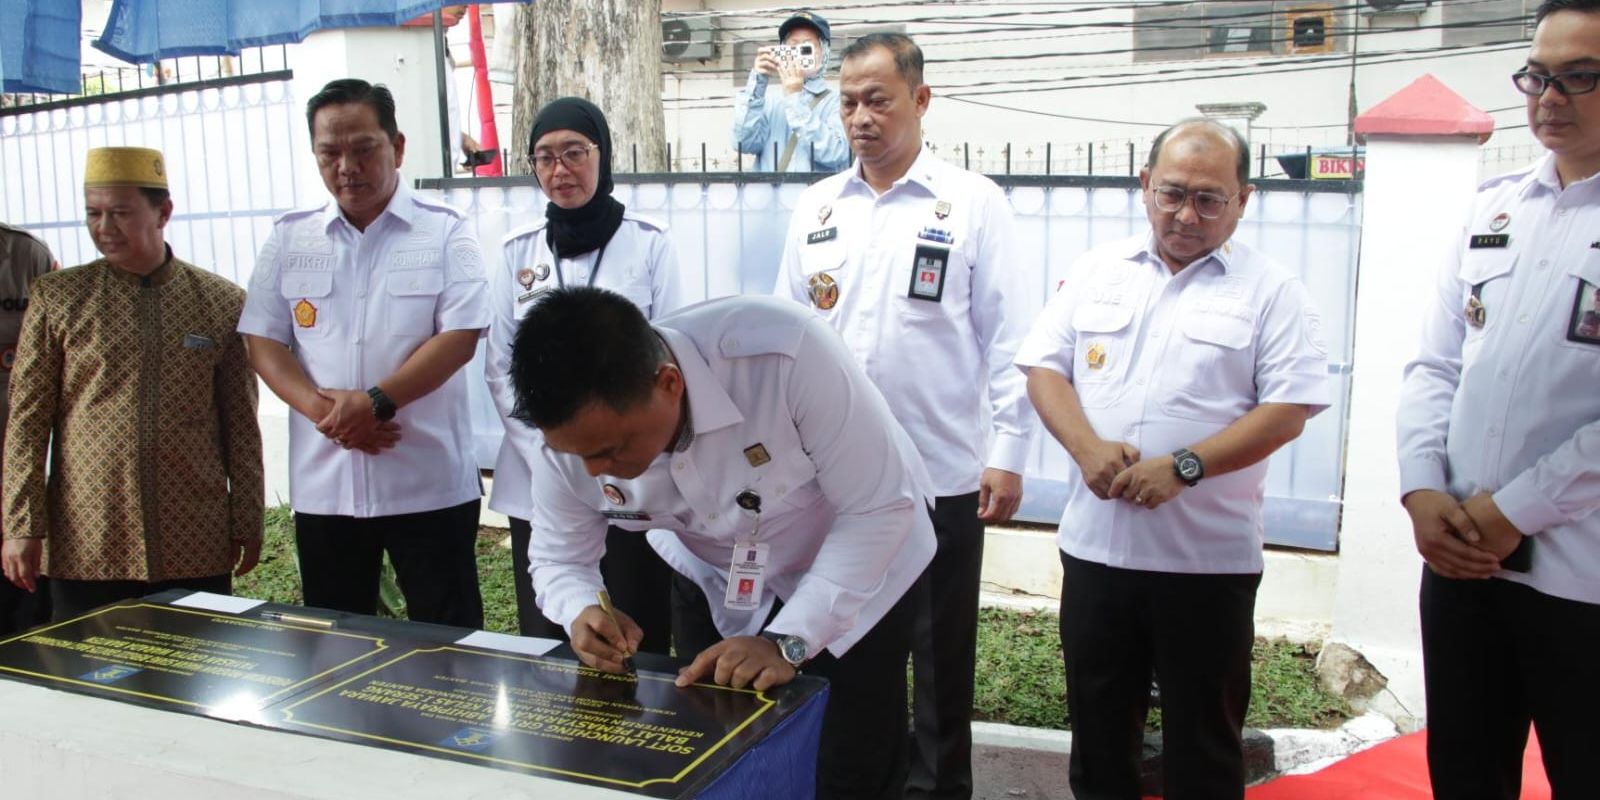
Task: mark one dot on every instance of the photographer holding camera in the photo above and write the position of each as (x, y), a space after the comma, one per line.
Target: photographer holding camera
(799, 130)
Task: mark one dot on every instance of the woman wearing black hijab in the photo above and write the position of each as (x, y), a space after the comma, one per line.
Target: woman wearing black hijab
(586, 238)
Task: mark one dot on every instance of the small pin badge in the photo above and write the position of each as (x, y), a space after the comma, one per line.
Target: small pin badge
(941, 209)
(757, 454)
(613, 494)
(541, 272)
(525, 277)
(1096, 357)
(305, 314)
(823, 214)
(748, 500)
(1477, 315)
(824, 291)
(1500, 221)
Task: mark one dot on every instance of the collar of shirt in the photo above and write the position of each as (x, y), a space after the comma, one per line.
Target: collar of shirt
(1223, 255)
(923, 172)
(710, 406)
(160, 277)
(400, 207)
(816, 84)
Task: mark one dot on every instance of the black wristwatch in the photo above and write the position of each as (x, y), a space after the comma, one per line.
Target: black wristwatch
(792, 648)
(1188, 466)
(382, 407)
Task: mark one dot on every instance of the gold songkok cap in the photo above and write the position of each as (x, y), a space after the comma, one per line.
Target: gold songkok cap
(125, 166)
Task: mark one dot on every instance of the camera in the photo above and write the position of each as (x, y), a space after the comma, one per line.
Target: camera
(802, 55)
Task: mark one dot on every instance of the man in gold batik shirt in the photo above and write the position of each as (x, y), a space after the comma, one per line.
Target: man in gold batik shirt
(129, 374)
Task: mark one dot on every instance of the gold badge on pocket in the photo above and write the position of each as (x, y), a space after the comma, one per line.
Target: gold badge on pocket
(1096, 357)
(824, 291)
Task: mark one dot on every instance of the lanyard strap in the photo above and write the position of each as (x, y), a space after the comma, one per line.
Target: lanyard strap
(561, 280)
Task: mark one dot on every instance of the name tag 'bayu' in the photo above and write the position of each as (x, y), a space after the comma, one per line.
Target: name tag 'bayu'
(1484, 241)
(824, 235)
(927, 273)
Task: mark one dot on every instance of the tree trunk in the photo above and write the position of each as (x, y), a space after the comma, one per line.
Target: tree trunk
(608, 51)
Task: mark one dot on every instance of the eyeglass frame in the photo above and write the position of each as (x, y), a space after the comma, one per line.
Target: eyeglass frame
(533, 158)
(1188, 194)
(1555, 79)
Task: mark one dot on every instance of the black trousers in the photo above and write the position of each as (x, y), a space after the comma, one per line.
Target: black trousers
(21, 609)
(433, 554)
(944, 650)
(639, 582)
(1496, 656)
(69, 598)
(862, 752)
(1195, 631)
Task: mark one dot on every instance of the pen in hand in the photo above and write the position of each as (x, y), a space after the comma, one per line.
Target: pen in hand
(611, 612)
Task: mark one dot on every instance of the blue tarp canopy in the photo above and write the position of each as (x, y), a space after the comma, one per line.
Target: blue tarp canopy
(142, 31)
(39, 41)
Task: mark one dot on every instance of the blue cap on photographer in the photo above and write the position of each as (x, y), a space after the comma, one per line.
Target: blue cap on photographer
(808, 19)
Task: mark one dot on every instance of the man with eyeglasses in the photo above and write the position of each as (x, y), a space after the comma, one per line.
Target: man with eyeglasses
(1170, 366)
(1499, 446)
(360, 315)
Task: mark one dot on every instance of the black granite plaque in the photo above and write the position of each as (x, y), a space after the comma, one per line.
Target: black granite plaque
(547, 717)
(202, 662)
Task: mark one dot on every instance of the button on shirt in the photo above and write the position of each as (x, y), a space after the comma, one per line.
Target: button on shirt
(777, 408)
(1509, 406)
(1162, 361)
(639, 263)
(764, 117)
(925, 355)
(353, 306)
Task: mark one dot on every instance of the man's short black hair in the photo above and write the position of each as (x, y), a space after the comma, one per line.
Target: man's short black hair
(581, 345)
(907, 55)
(354, 90)
(1242, 166)
(1549, 7)
(156, 197)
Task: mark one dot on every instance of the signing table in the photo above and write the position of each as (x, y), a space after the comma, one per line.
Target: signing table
(85, 710)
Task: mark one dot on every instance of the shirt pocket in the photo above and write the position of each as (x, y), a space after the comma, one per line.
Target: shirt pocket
(413, 298)
(1486, 295)
(309, 296)
(1104, 349)
(1212, 370)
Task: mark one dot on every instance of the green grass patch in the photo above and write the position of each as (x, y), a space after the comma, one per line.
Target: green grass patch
(1019, 673)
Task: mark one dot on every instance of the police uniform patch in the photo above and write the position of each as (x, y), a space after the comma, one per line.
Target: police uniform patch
(525, 277)
(1488, 240)
(1096, 357)
(824, 291)
(1475, 313)
(613, 494)
(305, 314)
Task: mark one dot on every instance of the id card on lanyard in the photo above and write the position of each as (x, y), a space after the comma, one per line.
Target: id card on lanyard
(747, 570)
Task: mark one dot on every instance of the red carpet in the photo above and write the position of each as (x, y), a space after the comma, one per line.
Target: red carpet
(1394, 770)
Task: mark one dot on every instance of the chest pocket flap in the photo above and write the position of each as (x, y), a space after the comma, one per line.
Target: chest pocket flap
(1219, 329)
(1100, 318)
(416, 282)
(1478, 266)
(306, 284)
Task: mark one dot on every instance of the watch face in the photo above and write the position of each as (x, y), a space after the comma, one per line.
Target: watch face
(793, 649)
(1189, 468)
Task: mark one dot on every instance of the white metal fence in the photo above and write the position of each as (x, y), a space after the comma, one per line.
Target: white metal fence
(232, 165)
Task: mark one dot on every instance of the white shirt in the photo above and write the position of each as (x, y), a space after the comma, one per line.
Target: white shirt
(778, 408)
(1180, 357)
(1513, 407)
(926, 356)
(353, 306)
(639, 263)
